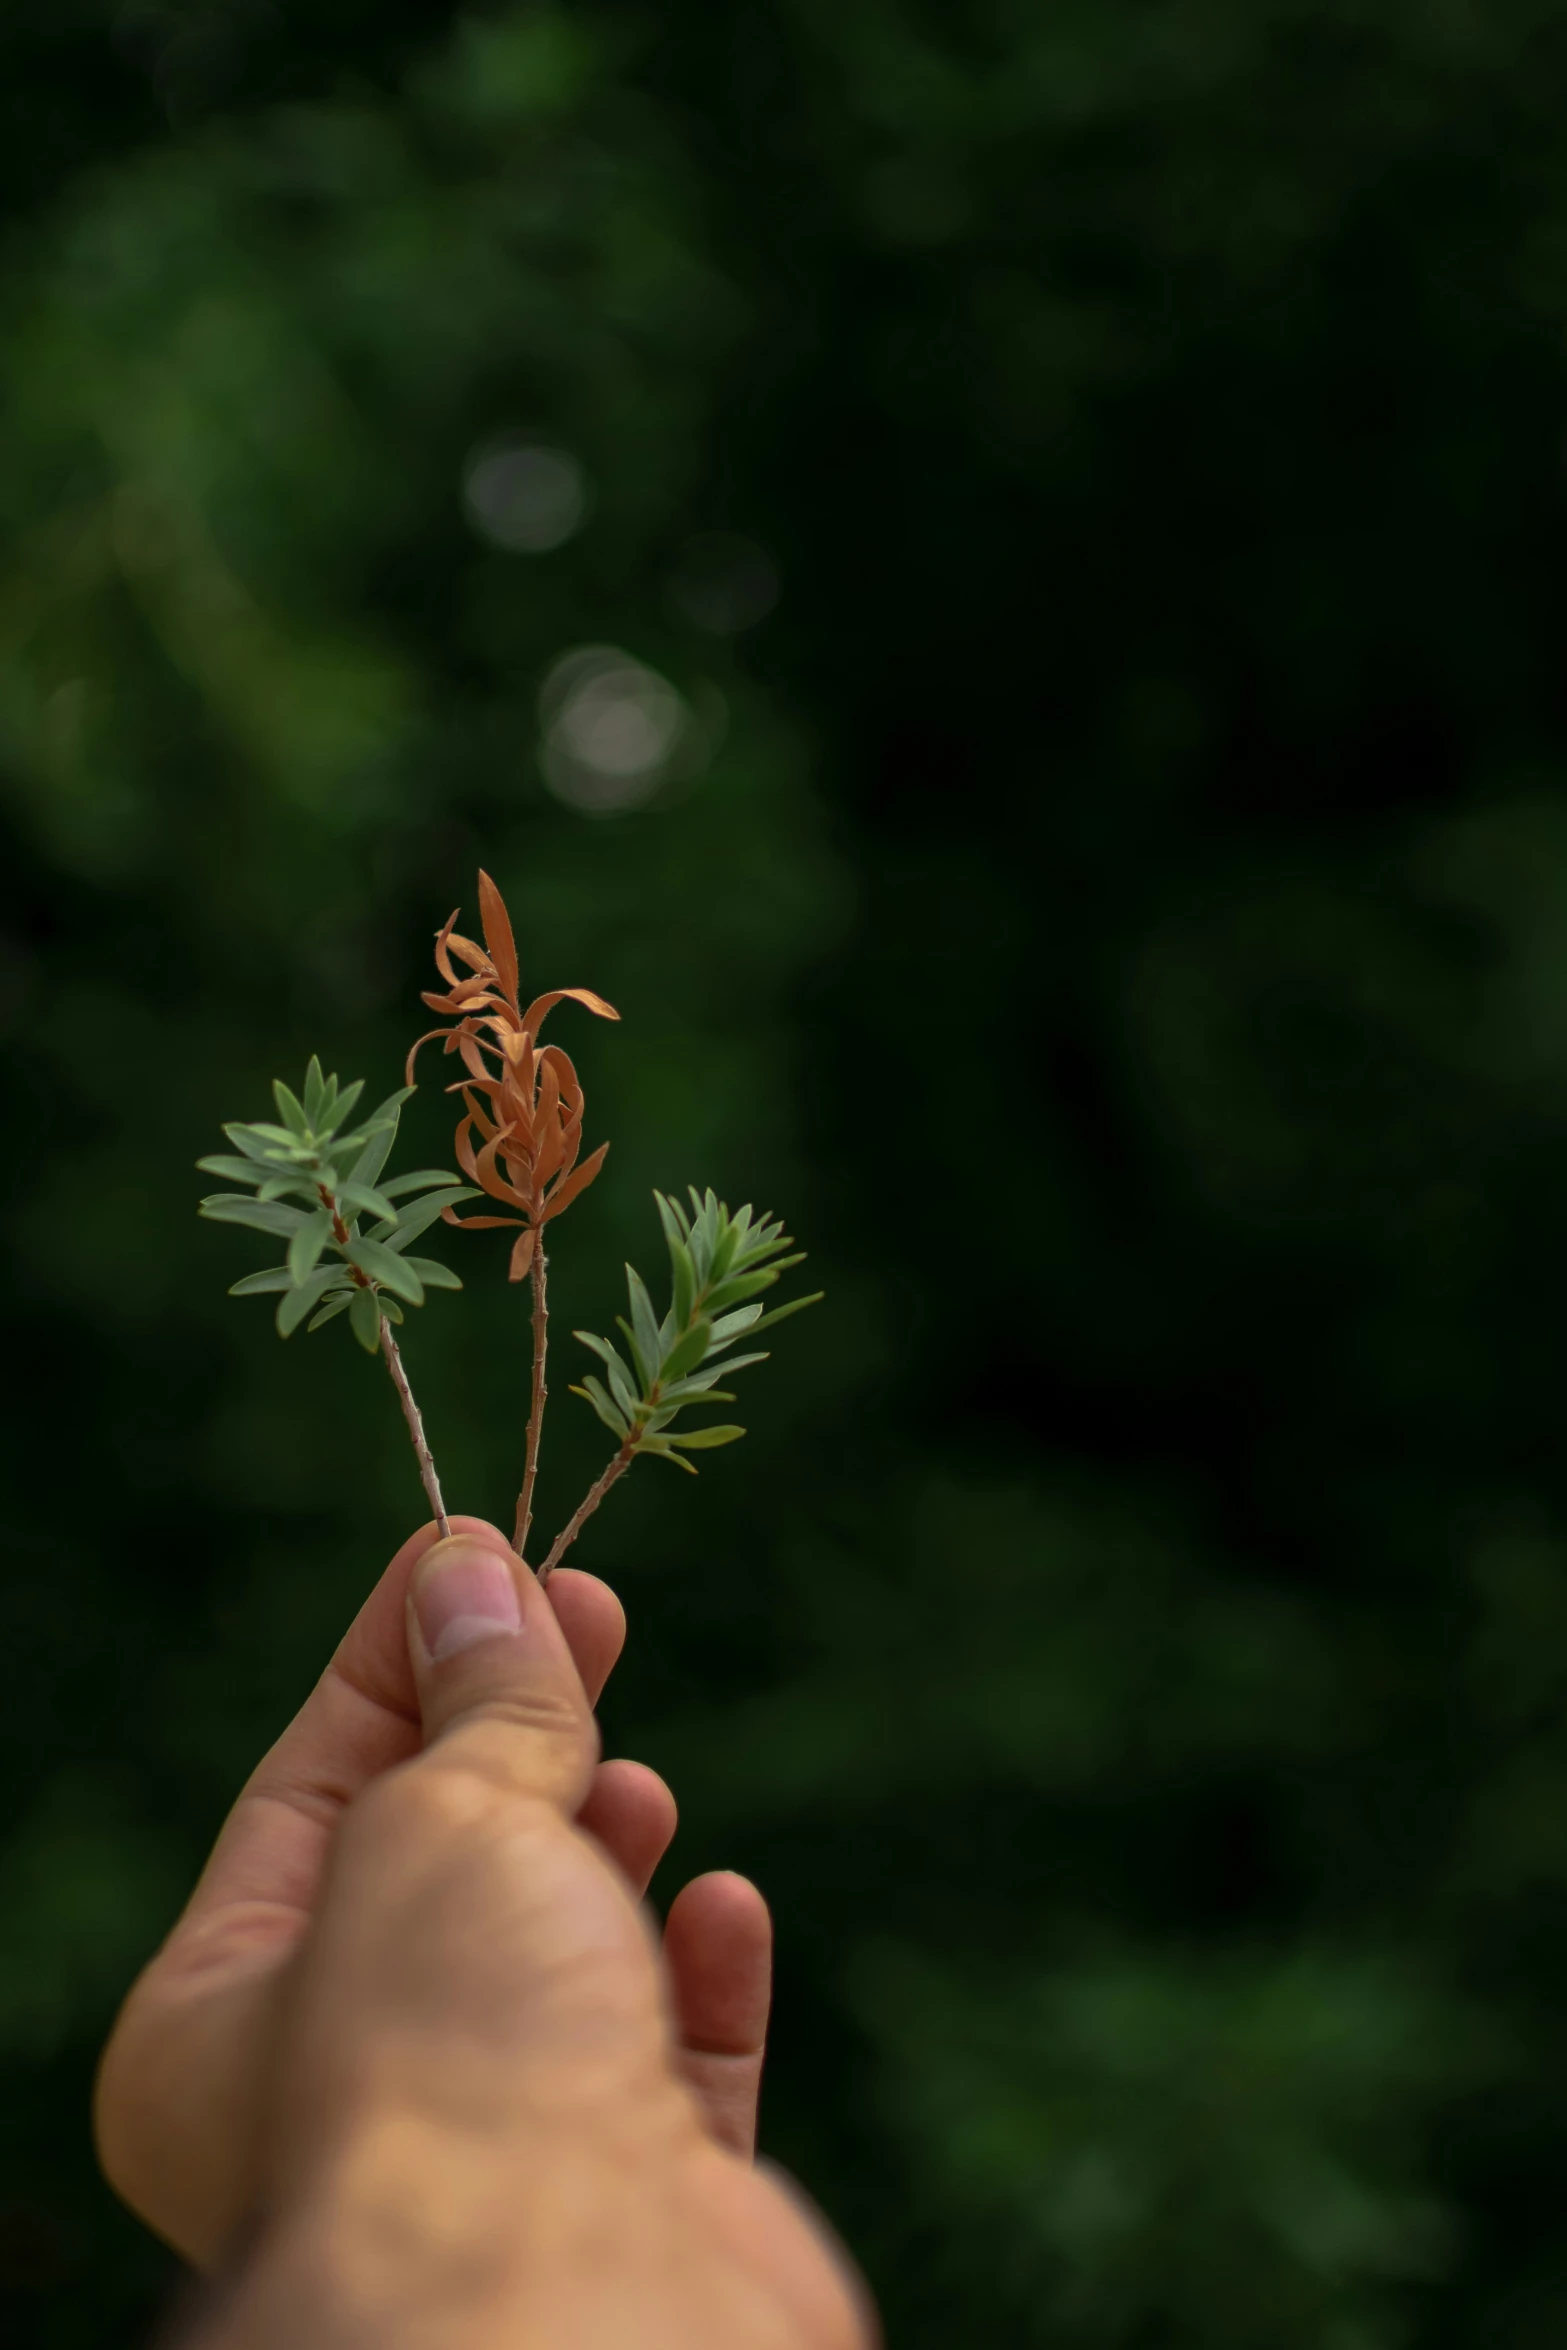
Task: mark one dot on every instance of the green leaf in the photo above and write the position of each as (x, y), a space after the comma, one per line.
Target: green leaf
(660, 1448)
(422, 1181)
(623, 1386)
(304, 1250)
(743, 1285)
(265, 1150)
(362, 1199)
(796, 1305)
(233, 1170)
(293, 1308)
(620, 1377)
(433, 1273)
(343, 1103)
(315, 1094)
(730, 1325)
(592, 1392)
(729, 1364)
(232, 1207)
(263, 1284)
(684, 1272)
(390, 1307)
(674, 1232)
(687, 1351)
(703, 1236)
(345, 1147)
(643, 1321)
(375, 1153)
(282, 1139)
(725, 1245)
(639, 1362)
(364, 1316)
(336, 1305)
(290, 1108)
(695, 1391)
(422, 1215)
(704, 1439)
(302, 1185)
(384, 1265)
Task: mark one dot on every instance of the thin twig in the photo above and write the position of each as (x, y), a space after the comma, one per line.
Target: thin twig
(585, 1508)
(405, 1396)
(541, 1328)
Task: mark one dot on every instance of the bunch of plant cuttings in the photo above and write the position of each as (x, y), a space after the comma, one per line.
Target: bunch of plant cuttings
(332, 1267)
(319, 1184)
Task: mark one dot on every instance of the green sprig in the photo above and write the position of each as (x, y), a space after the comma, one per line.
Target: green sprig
(719, 1267)
(311, 1180)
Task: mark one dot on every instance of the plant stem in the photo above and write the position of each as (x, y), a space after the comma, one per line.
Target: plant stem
(541, 1327)
(405, 1396)
(585, 1508)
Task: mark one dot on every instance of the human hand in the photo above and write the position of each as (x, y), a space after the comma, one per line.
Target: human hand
(478, 2132)
(183, 2091)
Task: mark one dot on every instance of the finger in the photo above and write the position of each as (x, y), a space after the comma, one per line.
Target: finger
(631, 1813)
(718, 1943)
(361, 1718)
(499, 1694)
(594, 1623)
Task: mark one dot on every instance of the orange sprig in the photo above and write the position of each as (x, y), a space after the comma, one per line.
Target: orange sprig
(521, 1100)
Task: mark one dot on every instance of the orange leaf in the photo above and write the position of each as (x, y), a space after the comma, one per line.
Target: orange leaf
(485, 1125)
(490, 1178)
(498, 938)
(469, 952)
(478, 1223)
(443, 961)
(428, 1037)
(547, 1137)
(536, 1011)
(560, 1062)
(564, 1193)
(463, 1146)
(522, 1254)
(471, 1049)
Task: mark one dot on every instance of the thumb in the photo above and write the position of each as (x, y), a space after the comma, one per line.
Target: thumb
(498, 1690)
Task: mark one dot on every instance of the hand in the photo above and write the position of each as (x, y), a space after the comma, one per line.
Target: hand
(183, 2091)
(479, 2132)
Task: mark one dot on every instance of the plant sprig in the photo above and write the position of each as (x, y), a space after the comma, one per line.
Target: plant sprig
(314, 1155)
(719, 1266)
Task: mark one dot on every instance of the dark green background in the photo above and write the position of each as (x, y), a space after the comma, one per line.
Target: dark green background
(1125, 926)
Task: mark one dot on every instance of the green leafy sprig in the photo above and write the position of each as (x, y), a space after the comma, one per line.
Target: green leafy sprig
(332, 1267)
(719, 1266)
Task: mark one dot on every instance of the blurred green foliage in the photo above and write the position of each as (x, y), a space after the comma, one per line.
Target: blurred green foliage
(1117, 901)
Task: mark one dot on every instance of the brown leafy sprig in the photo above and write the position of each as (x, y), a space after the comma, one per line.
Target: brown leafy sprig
(520, 1137)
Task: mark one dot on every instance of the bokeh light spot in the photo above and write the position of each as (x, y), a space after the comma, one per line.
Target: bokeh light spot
(612, 728)
(526, 496)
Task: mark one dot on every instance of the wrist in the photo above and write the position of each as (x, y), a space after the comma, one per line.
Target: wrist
(413, 2232)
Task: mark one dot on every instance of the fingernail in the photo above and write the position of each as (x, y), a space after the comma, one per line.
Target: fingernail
(463, 1591)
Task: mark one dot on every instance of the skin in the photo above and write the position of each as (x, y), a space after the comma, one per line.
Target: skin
(414, 2068)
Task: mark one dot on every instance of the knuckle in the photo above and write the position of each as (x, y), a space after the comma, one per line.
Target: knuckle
(529, 1745)
(415, 1804)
